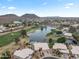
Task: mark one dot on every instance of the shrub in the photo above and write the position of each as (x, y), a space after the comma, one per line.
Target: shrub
(61, 40)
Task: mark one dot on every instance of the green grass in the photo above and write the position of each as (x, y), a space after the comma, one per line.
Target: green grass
(76, 36)
(54, 31)
(8, 38)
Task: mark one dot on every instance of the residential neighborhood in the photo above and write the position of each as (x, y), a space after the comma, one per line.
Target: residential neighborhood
(39, 29)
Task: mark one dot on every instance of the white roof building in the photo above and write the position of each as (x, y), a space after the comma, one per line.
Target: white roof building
(44, 46)
(60, 46)
(2, 28)
(75, 49)
(17, 22)
(68, 34)
(64, 51)
(23, 54)
(75, 25)
(65, 29)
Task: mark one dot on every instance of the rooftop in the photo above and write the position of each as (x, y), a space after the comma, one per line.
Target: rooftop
(68, 34)
(24, 53)
(59, 46)
(44, 46)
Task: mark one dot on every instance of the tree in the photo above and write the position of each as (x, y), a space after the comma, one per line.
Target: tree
(42, 28)
(53, 30)
(6, 25)
(51, 43)
(72, 29)
(17, 40)
(76, 36)
(50, 40)
(61, 40)
(58, 32)
(24, 23)
(23, 33)
(6, 55)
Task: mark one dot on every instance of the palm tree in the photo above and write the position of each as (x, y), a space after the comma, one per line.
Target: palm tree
(6, 55)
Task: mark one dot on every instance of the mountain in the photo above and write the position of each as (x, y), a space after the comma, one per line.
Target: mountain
(29, 17)
(8, 18)
(12, 17)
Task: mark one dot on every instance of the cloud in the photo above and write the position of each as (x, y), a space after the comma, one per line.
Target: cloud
(11, 8)
(69, 5)
(32, 10)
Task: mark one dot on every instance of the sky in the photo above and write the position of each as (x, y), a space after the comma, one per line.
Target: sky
(63, 8)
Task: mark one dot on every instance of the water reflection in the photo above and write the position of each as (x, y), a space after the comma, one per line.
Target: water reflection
(39, 35)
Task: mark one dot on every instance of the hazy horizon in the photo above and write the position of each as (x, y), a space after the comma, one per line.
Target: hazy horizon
(42, 8)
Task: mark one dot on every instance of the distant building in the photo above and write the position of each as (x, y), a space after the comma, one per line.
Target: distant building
(65, 29)
(76, 26)
(2, 28)
(17, 22)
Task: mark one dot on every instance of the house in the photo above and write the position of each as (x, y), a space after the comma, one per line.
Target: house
(65, 29)
(59, 46)
(23, 54)
(67, 34)
(17, 22)
(2, 28)
(76, 26)
(75, 50)
(37, 46)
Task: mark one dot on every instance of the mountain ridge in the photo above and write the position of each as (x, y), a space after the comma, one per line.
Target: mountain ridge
(8, 18)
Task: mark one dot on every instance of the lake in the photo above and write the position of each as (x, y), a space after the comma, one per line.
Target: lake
(39, 35)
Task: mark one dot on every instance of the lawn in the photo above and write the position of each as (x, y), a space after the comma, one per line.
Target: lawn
(7, 39)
